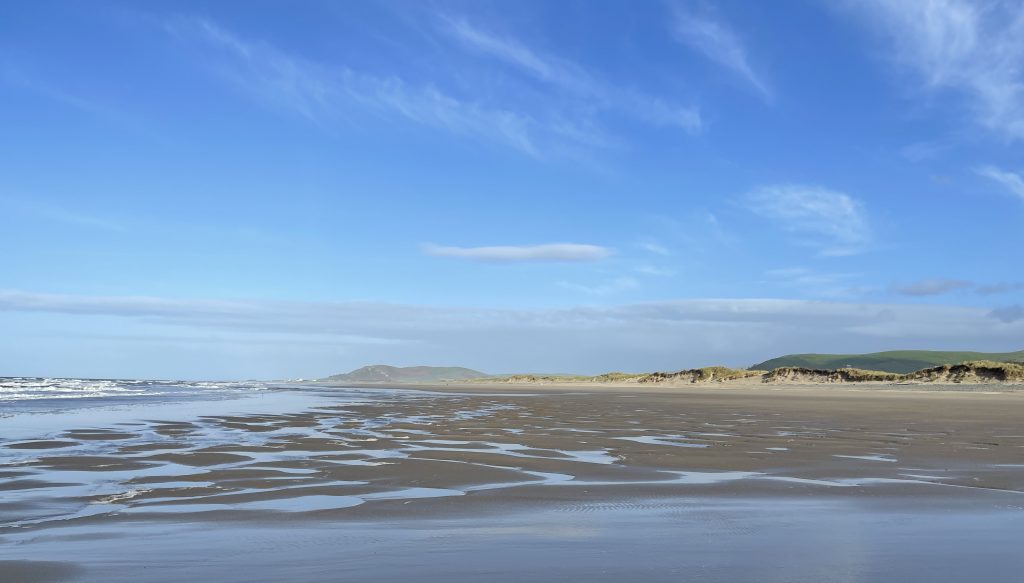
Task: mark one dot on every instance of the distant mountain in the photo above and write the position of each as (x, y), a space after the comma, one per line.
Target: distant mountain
(382, 373)
(897, 361)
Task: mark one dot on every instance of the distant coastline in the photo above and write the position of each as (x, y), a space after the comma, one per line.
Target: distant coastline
(893, 368)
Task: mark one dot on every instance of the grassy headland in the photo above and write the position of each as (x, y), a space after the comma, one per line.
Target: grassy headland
(896, 361)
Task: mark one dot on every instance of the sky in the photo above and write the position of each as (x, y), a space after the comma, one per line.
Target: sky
(254, 189)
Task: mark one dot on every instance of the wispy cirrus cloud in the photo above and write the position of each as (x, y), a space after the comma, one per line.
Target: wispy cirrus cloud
(550, 252)
(975, 49)
(571, 78)
(716, 41)
(546, 68)
(1012, 181)
(326, 93)
(833, 222)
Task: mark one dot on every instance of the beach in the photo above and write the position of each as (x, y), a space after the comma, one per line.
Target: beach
(528, 291)
(459, 483)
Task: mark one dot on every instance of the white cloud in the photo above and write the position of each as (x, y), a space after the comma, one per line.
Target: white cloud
(833, 222)
(644, 336)
(718, 43)
(1010, 180)
(521, 253)
(973, 48)
(655, 247)
(573, 79)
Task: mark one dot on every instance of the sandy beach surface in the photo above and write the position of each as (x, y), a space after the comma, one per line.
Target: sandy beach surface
(511, 483)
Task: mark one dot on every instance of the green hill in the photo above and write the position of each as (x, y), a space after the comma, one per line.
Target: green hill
(899, 361)
(382, 373)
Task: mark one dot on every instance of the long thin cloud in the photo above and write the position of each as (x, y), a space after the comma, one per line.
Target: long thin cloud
(549, 69)
(522, 253)
(572, 78)
(1012, 181)
(717, 42)
(401, 319)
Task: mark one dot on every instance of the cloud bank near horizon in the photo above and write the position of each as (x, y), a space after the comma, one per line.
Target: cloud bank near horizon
(246, 338)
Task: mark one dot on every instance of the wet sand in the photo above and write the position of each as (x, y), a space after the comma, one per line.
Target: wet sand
(692, 539)
(622, 462)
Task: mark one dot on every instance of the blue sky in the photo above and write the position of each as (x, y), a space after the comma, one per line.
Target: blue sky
(262, 189)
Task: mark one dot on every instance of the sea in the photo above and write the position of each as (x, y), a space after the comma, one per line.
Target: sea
(31, 407)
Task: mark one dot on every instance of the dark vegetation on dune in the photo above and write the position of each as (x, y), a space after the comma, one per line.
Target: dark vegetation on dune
(896, 361)
(789, 374)
(966, 372)
(980, 371)
(696, 375)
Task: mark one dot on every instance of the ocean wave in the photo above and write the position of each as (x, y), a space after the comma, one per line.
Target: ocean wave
(39, 388)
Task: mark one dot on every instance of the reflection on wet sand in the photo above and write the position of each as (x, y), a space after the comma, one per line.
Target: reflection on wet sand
(666, 539)
(414, 446)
